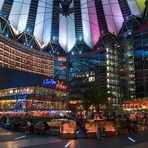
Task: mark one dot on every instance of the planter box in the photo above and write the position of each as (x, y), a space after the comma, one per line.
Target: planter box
(67, 135)
(91, 135)
(110, 133)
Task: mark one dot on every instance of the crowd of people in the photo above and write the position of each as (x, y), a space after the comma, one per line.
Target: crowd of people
(123, 123)
(129, 120)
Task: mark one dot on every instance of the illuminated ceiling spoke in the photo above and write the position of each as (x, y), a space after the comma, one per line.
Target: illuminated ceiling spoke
(55, 21)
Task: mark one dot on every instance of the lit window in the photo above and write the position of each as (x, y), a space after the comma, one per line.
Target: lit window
(107, 49)
(91, 79)
(11, 91)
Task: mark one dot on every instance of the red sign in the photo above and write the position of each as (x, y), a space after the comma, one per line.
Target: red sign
(60, 85)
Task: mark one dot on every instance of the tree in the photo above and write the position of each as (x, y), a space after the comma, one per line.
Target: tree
(94, 96)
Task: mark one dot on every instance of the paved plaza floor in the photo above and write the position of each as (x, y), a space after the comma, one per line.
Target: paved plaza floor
(9, 139)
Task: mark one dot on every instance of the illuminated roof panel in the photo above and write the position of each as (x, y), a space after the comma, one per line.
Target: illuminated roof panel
(78, 21)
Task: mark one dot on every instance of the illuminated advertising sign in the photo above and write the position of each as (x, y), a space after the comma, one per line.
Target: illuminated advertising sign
(49, 82)
(59, 84)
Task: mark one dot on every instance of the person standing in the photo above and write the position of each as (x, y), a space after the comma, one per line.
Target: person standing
(27, 131)
(100, 131)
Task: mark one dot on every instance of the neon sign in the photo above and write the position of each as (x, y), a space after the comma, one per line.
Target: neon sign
(55, 84)
(49, 82)
(60, 85)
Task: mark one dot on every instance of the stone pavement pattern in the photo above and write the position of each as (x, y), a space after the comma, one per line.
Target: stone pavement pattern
(9, 139)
